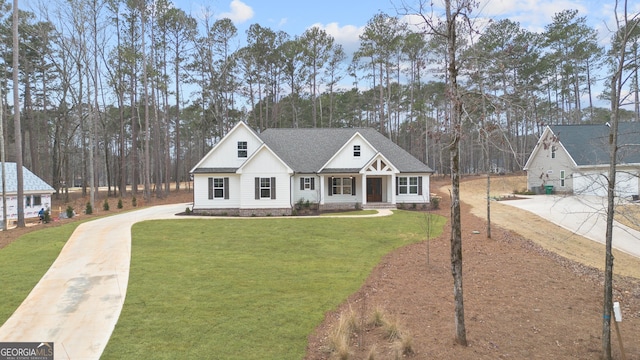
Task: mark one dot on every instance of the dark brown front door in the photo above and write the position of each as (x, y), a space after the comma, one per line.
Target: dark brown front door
(374, 189)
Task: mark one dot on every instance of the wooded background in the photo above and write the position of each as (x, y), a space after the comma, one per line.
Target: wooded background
(149, 89)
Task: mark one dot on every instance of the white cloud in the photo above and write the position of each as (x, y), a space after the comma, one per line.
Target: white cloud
(348, 35)
(239, 12)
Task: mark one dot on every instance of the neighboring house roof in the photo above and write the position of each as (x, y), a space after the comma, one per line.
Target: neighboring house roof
(31, 183)
(308, 150)
(589, 144)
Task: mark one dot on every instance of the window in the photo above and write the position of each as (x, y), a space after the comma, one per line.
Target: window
(265, 188)
(242, 149)
(37, 200)
(553, 152)
(218, 188)
(409, 185)
(342, 186)
(28, 199)
(356, 150)
(562, 178)
(307, 183)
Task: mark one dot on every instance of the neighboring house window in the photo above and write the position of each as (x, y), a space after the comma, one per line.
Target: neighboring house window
(356, 150)
(344, 186)
(28, 198)
(307, 183)
(553, 152)
(562, 178)
(409, 185)
(37, 200)
(218, 188)
(265, 188)
(242, 149)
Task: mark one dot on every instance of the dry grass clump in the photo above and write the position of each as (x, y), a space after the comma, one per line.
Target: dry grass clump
(388, 337)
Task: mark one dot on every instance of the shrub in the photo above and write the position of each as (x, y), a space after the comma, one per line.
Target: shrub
(377, 317)
(120, 203)
(134, 201)
(187, 211)
(88, 209)
(105, 205)
(47, 217)
(307, 204)
(299, 203)
(70, 212)
(435, 202)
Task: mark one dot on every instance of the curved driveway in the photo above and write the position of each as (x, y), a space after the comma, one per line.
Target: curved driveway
(77, 302)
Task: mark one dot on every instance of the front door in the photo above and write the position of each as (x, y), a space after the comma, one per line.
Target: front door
(374, 189)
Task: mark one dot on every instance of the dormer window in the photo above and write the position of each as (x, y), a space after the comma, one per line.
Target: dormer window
(356, 150)
(242, 149)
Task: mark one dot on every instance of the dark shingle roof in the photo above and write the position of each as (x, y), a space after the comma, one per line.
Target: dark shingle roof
(31, 183)
(589, 144)
(307, 150)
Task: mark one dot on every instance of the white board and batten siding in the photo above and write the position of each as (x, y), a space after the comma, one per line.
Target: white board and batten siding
(201, 192)
(346, 159)
(412, 197)
(226, 151)
(264, 164)
(311, 192)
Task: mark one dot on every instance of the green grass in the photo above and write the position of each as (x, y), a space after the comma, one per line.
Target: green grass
(247, 288)
(24, 262)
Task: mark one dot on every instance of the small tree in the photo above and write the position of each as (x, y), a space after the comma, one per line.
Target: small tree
(105, 205)
(89, 209)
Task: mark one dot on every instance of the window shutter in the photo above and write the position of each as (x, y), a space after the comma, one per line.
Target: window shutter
(330, 186)
(301, 183)
(313, 184)
(226, 188)
(210, 188)
(419, 185)
(257, 188)
(397, 186)
(273, 188)
(353, 186)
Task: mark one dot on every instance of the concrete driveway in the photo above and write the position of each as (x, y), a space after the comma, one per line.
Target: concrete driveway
(583, 215)
(78, 301)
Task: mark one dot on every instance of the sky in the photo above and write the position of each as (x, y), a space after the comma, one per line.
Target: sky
(345, 19)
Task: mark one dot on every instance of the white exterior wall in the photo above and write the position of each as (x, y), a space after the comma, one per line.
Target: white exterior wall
(226, 151)
(344, 159)
(342, 198)
(265, 164)
(312, 195)
(201, 192)
(594, 182)
(544, 170)
(29, 211)
(415, 198)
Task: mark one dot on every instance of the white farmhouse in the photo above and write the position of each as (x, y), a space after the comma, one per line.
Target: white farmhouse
(251, 174)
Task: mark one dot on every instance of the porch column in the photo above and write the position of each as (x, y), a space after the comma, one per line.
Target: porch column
(322, 190)
(393, 188)
(363, 186)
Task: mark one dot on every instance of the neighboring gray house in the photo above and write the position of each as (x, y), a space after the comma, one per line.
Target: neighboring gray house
(247, 173)
(37, 193)
(575, 159)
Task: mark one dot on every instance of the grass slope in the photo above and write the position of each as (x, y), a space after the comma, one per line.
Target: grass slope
(247, 288)
(24, 262)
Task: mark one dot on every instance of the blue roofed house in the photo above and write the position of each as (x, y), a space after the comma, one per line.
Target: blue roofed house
(574, 159)
(37, 193)
(247, 173)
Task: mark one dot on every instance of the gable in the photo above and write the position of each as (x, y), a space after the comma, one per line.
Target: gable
(264, 161)
(354, 154)
(226, 153)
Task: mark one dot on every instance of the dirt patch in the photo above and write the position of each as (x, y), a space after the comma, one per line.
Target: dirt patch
(522, 299)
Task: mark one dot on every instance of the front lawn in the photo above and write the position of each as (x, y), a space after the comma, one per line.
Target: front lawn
(247, 288)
